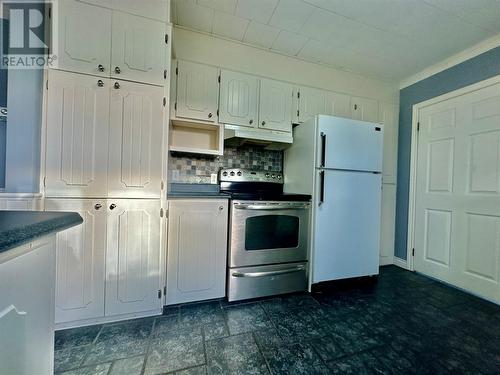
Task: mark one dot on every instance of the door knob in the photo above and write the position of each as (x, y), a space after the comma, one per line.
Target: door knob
(210, 115)
(100, 83)
(263, 123)
(100, 68)
(117, 85)
(112, 206)
(97, 206)
(117, 70)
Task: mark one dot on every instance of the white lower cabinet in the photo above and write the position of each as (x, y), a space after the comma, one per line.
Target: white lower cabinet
(388, 222)
(197, 250)
(109, 265)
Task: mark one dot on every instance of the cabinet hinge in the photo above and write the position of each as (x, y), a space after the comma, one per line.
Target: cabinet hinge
(413, 252)
(298, 94)
(165, 74)
(217, 112)
(298, 112)
(175, 106)
(166, 38)
(165, 290)
(47, 84)
(161, 212)
(164, 101)
(50, 12)
(159, 293)
(44, 182)
(177, 71)
(418, 126)
(218, 78)
(162, 185)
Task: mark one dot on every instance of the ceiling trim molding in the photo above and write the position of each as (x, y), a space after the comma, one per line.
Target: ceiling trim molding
(456, 59)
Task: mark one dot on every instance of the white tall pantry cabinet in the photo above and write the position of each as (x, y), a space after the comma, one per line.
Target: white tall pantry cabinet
(103, 157)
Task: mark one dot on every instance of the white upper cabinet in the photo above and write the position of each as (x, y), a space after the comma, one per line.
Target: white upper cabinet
(311, 103)
(84, 38)
(77, 135)
(80, 254)
(389, 116)
(364, 109)
(133, 274)
(135, 140)
(275, 110)
(238, 99)
(138, 49)
(197, 91)
(155, 9)
(337, 104)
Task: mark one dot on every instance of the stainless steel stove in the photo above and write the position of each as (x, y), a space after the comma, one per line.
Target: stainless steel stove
(268, 236)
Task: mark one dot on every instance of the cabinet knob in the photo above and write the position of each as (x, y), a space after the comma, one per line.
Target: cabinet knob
(250, 122)
(210, 115)
(263, 123)
(112, 206)
(221, 208)
(117, 85)
(100, 83)
(100, 68)
(97, 206)
(118, 70)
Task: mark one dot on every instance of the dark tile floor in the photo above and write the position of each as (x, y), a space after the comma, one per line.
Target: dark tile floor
(403, 324)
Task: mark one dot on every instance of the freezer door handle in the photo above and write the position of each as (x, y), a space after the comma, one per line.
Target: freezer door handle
(323, 149)
(321, 187)
(269, 273)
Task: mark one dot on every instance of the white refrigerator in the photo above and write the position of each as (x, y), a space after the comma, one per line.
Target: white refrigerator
(339, 162)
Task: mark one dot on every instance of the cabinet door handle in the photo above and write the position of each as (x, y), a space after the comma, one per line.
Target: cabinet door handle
(97, 206)
(117, 85)
(112, 206)
(263, 123)
(210, 115)
(250, 122)
(118, 70)
(100, 83)
(221, 208)
(100, 68)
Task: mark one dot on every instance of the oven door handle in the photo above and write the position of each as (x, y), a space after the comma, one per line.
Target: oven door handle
(270, 207)
(269, 273)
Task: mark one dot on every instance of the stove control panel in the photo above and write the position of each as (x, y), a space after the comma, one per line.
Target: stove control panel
(246, 175)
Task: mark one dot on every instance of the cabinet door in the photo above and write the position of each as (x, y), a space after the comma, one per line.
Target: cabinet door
(80, 260)
(197, 91)
(389, 115)
(387, 224)
(311, 103)
(197, 247)
(364, 109)
(77, 135)
(238, 99)
(337, 104)
(84, 38)
(136, 131)
(138, 52)
(133, 256)
(275, 109)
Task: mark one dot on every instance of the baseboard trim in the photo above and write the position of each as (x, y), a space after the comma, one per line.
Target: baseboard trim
(108, 319)
(400, 263)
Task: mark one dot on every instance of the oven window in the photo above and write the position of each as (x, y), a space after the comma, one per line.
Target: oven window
(271, 232)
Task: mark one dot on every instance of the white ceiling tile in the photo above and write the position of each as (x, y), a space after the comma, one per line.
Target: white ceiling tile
(194, 16)
(227, 6)
(322, 24)
(256, 10)
(260, 35)
(313, 50)
(289, 43)
(229, 26)
(291, 15)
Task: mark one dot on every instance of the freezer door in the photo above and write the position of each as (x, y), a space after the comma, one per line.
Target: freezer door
(346, 225)
(349, 144)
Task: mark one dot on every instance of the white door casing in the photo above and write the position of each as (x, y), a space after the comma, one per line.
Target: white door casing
(238, 99)
(275, 109)
(80, 257)
(457, 220)
(77, 135)
(197, 91)
(138, 49)
(133, 256)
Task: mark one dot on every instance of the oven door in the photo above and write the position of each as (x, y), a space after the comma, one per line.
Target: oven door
(268, 232)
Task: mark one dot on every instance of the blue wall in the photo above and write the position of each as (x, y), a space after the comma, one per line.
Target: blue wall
(477, 69)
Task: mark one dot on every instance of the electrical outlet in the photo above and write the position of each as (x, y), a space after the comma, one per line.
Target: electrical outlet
(213, 178)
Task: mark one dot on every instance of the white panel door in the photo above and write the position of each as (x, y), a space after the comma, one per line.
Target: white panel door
(138, 49)
(387, 224)
(84, 38)
(389, 116)
(197, 249)
(197, 91)
(311, 103)
(135, 140)
(337, 104)
(457, 222)
(80, 259)
(238, 99)
(364, 109)
(133, 273)
(346, 225)
(77, 135)
(275, 109)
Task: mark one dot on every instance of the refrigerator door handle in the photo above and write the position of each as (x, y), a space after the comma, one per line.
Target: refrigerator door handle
(321, 187)
(323, 149)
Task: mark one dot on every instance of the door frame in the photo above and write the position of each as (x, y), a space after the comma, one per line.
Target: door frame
(410, 244)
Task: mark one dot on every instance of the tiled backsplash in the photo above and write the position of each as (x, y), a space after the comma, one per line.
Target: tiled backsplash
(196, 169)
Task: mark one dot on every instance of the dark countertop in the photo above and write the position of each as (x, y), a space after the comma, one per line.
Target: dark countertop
(19, 227)
(198, 195)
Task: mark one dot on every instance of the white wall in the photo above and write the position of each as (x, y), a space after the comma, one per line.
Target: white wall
(207, 49)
